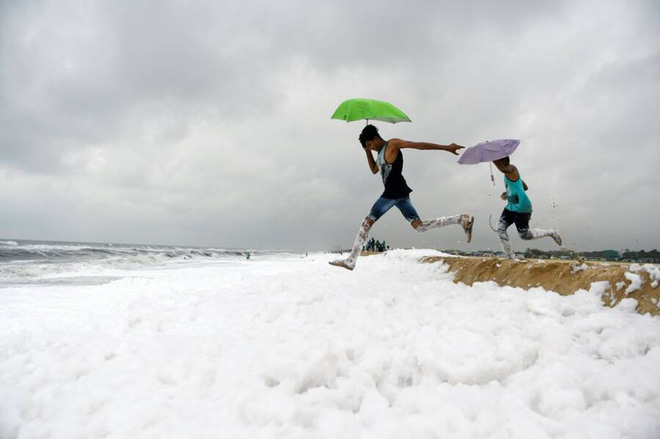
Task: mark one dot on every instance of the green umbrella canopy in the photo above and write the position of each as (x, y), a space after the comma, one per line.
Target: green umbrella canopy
(369, 109)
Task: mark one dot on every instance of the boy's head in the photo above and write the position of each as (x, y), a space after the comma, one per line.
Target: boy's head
(369, 134)
(502, 163)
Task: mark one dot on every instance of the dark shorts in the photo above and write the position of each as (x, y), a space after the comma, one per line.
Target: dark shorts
(404, 204)
(521, 219)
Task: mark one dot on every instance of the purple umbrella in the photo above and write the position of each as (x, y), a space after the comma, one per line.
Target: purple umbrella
(488, 151)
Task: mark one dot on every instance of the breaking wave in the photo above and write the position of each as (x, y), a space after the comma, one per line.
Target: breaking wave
(22, 261)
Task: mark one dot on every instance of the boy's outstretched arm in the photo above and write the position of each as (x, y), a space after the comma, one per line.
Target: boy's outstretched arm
(400, 144)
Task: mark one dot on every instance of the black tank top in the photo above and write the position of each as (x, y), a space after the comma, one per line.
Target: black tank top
(395, 184)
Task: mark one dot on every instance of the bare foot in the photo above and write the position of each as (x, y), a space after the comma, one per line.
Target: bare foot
(467, 222)
(556, 237)
(342, 263)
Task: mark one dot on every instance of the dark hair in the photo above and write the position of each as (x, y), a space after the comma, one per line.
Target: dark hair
(504, 160)
(368, 133)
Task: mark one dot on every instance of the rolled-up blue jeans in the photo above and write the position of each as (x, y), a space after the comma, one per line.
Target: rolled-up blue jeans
(404, 204)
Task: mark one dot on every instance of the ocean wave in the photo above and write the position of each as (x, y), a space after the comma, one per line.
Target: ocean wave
(26, 261)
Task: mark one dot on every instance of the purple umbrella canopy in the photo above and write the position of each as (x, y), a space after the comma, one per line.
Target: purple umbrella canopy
(488, 151)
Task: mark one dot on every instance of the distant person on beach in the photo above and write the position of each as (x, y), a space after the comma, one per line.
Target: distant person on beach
(518, 210)
(389, 161)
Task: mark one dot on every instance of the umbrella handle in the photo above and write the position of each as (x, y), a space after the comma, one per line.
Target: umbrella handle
(492, 178)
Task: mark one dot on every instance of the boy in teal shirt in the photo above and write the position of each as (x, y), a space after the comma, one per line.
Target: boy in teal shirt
(518, 210)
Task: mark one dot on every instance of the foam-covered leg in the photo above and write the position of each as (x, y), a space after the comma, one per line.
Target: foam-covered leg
(504, 240)
(541, 233)
(360, 239)
(438, 222)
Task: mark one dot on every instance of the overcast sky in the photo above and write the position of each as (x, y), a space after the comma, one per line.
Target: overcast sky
(208, 122)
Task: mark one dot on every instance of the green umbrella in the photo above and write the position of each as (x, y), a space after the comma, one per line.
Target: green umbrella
(369, 109)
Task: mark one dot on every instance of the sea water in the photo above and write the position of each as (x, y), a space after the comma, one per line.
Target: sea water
(24, 262)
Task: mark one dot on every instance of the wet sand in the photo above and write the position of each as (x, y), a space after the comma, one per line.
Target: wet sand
(563, 277)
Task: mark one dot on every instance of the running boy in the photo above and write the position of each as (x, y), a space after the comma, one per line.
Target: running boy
(518, 210)
(390, 163)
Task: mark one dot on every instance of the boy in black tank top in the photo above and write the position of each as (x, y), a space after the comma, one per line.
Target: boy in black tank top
(396, 193)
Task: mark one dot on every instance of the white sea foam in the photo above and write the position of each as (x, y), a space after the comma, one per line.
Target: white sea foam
(577, 268)
(636, 282)
(292, 347)
(654, 274)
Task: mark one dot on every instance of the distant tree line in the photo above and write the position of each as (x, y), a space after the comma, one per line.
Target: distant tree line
(642, 254)
(540, 254)
(611, 255)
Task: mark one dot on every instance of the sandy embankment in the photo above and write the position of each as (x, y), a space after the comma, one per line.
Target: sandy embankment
(639, 282)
